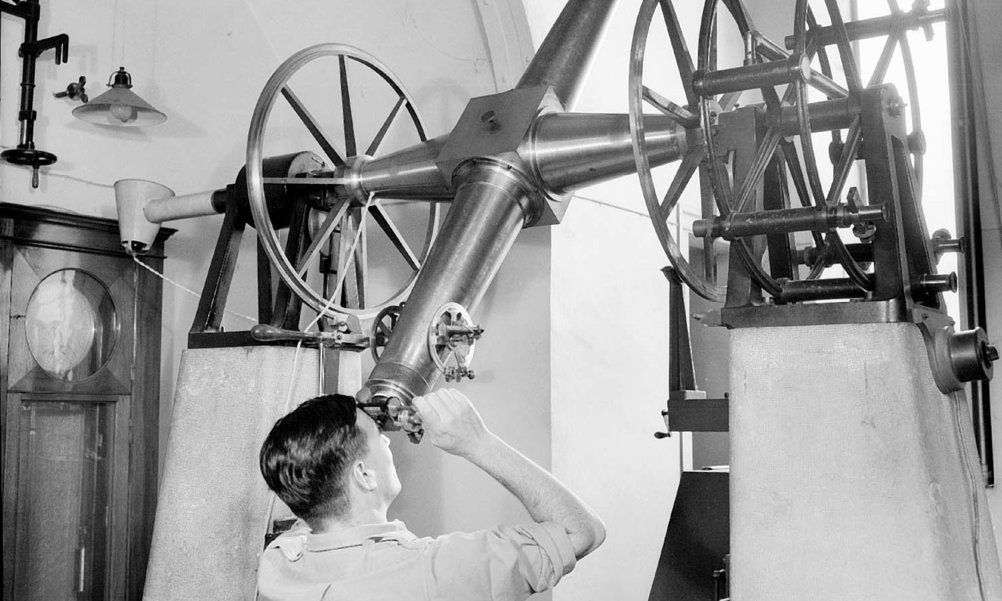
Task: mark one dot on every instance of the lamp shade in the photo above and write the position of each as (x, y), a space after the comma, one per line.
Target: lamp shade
(120, 106)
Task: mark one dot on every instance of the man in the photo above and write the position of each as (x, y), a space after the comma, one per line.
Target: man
(330, 464)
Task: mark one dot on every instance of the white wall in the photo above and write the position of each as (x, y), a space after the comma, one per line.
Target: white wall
(610, 347)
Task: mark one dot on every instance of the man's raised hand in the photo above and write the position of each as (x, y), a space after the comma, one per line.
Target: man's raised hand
(451, 422)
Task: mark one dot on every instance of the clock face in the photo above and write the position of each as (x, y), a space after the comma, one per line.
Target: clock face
(71, 324)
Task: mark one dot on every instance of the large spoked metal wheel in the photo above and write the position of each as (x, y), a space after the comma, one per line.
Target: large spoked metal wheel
(810, 39)
(775, 150)
(666, 210)
(329, 98)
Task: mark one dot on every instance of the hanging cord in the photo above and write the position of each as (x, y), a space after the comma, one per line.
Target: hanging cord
(961, 423)
(186, 289)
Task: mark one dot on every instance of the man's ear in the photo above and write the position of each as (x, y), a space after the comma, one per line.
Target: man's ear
(364, 478)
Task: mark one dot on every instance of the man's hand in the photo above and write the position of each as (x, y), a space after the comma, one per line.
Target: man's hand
(451, 422)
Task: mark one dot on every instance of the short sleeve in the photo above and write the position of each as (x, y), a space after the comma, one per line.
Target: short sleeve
(507, 562)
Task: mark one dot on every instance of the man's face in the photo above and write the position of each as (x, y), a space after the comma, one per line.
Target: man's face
(379, 458)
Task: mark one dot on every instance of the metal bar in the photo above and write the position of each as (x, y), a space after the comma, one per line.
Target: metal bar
(875, 27)
(287, 304)
(827, 115)
(681, 376)
(564, 56)
(569, 151)
(264, 300)
(212, 303)
(805, 290)
(759, 75)
(185, 206)
(411, 173)
(820, 81)
(739, 225)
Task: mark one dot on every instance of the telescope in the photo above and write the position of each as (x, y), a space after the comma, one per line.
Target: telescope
(806, 267)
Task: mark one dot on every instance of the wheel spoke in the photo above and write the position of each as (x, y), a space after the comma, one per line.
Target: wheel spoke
(361, 260)
(351, 247)
(820, 81)
(349, 123)
(326, 229)
(852, 268)
(682, 57)
(844, 50)
(740, 14)
(371, 150)
(845, 161)
(313, 127)
(880, 71)
(707, 212)
(679, 114)
(916, 113)
(795, 170)
(763, 155)
(390, 229)
(689, 164)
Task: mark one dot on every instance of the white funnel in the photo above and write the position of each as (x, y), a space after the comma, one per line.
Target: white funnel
(136, 231)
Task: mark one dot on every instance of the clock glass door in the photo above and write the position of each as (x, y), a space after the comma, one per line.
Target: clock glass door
(63, 499)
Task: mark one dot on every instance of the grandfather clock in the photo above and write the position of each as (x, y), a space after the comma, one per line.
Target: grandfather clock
(79, 402)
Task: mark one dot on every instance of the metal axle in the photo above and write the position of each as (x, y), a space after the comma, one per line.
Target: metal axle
(738, 225)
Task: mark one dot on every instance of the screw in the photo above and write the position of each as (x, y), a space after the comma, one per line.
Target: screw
(490, 120)
(991, 353)
(895, 106)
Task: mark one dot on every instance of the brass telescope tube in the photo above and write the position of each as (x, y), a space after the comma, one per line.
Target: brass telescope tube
(490, 208)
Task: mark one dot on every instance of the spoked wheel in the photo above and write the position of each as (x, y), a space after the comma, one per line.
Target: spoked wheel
(666, 211)
(809, 38)
(735, 189)
(328, 98)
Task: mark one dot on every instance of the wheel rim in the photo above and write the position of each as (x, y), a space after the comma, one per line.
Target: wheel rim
(690, 163)
(268, 236)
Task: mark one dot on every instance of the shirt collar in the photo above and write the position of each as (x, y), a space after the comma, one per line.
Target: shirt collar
(358, 535)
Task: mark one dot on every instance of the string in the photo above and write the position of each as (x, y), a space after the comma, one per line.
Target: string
(186, 289)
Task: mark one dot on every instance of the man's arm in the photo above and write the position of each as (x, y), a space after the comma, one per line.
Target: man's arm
(452, 424)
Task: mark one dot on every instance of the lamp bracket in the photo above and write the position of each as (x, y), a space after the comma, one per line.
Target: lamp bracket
(29, 51)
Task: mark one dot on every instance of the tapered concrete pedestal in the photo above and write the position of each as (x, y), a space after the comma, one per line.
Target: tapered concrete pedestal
(852, 476)
(212, 512)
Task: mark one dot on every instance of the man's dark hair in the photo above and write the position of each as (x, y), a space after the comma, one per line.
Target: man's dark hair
(307, 455)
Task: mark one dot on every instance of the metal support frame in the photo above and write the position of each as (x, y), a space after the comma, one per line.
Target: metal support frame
(281, 309)
(688, 409)
(900, 249)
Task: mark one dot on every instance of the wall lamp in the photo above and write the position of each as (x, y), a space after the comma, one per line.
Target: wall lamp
(120, 106)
